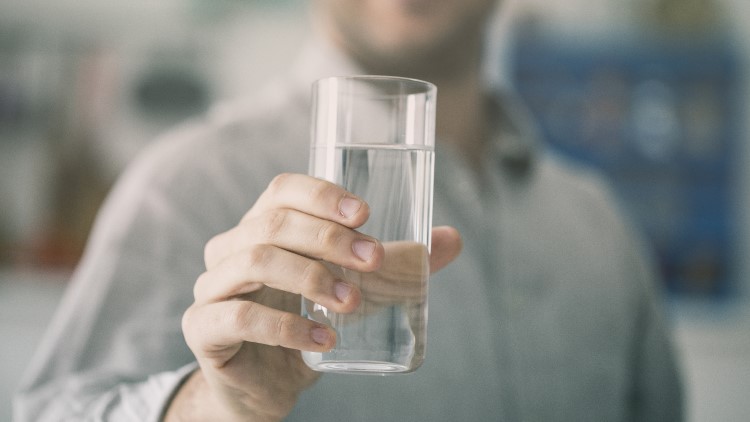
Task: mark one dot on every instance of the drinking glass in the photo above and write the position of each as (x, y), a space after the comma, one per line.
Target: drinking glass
(375, 137)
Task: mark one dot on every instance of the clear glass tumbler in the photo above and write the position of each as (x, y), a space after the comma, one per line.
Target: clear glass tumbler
(375, 136)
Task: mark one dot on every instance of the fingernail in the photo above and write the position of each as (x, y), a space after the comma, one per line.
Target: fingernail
(320, 335)
(343, 291)
(363, 249)
(349, 206)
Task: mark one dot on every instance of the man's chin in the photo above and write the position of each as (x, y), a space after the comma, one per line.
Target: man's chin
(416, 8)
(397, 61)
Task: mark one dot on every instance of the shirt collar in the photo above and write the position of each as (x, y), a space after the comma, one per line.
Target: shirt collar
(515, 136)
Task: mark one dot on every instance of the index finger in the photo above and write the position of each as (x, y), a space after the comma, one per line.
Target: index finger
(313, 196)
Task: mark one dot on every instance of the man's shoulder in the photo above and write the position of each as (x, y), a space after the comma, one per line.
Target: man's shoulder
(576, 179)
(582, 192)
(219, 164)
(269, 128)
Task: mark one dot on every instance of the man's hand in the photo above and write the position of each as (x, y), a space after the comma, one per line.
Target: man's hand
(245, 327)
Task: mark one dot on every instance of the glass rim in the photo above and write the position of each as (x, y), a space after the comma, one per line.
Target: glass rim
(420, 86)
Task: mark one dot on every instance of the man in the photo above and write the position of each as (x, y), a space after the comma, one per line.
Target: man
(549, 313)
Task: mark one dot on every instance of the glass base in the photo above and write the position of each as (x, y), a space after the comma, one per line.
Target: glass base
(361, 367)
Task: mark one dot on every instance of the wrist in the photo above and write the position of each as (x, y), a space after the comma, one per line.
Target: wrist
(195, 400)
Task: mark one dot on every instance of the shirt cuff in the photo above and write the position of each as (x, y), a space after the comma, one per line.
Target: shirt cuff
(166, 386)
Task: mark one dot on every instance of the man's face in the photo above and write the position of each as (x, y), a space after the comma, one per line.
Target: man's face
(397, 32)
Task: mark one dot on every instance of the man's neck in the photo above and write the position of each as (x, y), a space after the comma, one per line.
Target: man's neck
(462, 116)
(461, 106)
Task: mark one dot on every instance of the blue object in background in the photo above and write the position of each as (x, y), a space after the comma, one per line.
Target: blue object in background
(661, 120)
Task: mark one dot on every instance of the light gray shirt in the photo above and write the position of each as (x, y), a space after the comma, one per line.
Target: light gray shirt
(551, 313)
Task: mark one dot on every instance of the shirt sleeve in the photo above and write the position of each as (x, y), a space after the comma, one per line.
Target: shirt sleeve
(114, 349)
(83, 398)
(657, 391)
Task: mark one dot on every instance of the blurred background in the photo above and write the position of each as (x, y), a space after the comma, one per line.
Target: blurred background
(655, 93)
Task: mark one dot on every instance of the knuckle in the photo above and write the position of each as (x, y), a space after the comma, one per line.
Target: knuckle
(239, 316)
(274, 223)
(321, 191)
(285, 327)
(186, 318)
(199, 286)
(188, 322)
(312, 274)
(278, 182)
(210, 251)
(258, 256)
(329, 235)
